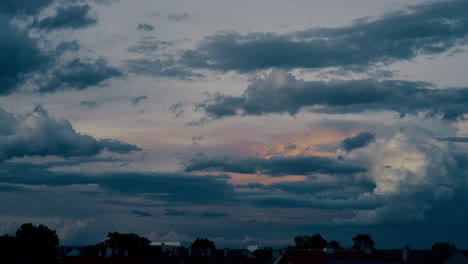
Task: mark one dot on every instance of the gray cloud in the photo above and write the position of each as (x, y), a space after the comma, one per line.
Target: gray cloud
(23, 7)
(359, 141)
(68, 17)
(79, 75)
(89, 104)
(174, 212)
(139, 99)
(141, 213)
(454, 139)
(160, 68)
(145, 27)
(38, 134)
(213, 214)
(174, 188)
(20, 55)
(276, 166)
(178, 17)
(149, 45)
(281, 92)
(429, 28)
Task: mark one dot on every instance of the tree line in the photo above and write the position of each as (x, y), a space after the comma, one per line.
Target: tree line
(39, 244)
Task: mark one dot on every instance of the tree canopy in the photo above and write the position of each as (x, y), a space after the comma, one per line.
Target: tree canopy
(315, 241)
(203, 243)
(362, 242)
(443, 245)
(132, 244)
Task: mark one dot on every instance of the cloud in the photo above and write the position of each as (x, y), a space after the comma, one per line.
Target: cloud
(38, 134)
(454, 139)
(20, 55)
(174, 212)
(79, 75)
(162, 187)
(141, 213)
(68, 17)
(139, 99)
(213, 215)
(276, 166)
(280, 92)
(149, 45)
(145, 27)
(89, 104)
(359, 141)
(160, 68)
(23, 7)
(428, 28)
(178, 17)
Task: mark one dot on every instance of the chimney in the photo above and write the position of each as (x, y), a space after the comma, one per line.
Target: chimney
(226, 252)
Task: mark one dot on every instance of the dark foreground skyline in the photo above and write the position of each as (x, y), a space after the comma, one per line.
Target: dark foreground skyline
(247, 123)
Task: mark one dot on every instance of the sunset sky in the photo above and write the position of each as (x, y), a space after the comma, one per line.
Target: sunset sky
(246, 122)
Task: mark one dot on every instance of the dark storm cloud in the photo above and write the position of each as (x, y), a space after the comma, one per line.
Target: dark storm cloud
(281, 92)
(160, 68)
(291, 201)
(79, 75)
(454, 139)
(141, 213)
(429, 28)
(38, 134)
(213, 215)
(167, 187)
(139, 99)
(20, 56)
(23, 7)
(68, 17)
(359, 141)
(145, 27)
(174, 212)
(276, 166)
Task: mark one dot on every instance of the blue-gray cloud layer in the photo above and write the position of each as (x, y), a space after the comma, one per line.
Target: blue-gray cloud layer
(281, 92)
(68, 17)
(20, 56)
(276, 166)
(359, 141)
(23, 7)
(429, 28)
(38, 134)
(79, 75)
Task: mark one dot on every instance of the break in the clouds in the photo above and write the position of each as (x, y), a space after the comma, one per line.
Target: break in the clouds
(38, 134)
(276, 166)
(68, 17)
(359, 141)
(280, 92)
(428, 28)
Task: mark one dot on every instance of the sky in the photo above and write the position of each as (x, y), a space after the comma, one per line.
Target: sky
(246, 122)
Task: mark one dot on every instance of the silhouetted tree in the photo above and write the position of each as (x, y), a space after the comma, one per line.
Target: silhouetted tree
(334, 244)
(36, 243)
(362, 242)
(315, 241)
(203, 243)
(443, 245)
(129, 243)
